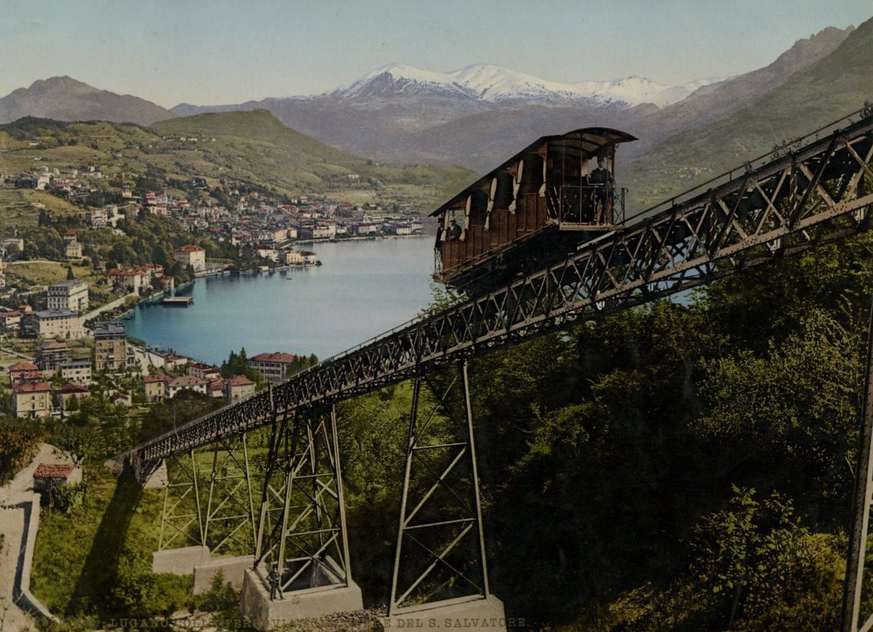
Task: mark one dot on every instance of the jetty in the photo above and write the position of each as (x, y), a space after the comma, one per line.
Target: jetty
(178, 301)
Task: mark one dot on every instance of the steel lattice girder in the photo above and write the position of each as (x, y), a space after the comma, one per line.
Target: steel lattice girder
(181, 516)
(229, 521)
(440, 539)
(853, 588)
(302, 529)
(816, 195)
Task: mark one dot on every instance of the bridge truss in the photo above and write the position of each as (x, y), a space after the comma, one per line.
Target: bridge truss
(818, 193)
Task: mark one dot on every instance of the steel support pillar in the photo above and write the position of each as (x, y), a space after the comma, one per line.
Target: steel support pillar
(229, 521)
(181, 543)
(302, 540)
(853, 619)
(181, 516)
(440, 557)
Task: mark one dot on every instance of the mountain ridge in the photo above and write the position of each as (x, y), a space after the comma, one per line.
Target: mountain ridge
(496, 84)
(817, 94)
(250, 150)
(63, 98)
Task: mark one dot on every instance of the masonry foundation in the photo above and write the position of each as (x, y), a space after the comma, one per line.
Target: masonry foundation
(308, 603)
(179, 561)
(233, 570)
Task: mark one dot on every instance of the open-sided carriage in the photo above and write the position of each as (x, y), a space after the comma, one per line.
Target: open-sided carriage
(531, 210)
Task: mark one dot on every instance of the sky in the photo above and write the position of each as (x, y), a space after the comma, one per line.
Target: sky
(210, 52)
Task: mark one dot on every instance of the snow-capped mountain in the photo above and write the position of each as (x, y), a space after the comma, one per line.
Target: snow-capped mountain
(494, 84)
(478, 115)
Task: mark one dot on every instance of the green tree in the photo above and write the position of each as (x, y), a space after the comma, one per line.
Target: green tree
(18, 445)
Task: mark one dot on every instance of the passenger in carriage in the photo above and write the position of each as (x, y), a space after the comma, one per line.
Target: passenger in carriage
(454, 232)
(603, 182)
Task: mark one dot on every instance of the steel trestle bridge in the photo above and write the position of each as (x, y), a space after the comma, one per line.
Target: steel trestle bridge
(816, 192)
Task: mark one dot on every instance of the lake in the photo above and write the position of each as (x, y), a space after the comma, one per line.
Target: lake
(362, 289)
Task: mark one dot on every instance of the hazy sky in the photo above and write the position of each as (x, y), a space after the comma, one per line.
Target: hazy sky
(228, 51)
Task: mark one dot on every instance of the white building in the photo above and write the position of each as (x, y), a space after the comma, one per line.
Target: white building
(185, 383)
(58, 323)
(291, 257)
(268, 252)
(190, 255)
(71, 295)
(77, 371)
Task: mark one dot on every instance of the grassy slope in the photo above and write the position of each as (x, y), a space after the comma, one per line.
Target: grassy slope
(257, 142)
(46, 273)
(821, 93)
(72, 551)
(19, 205)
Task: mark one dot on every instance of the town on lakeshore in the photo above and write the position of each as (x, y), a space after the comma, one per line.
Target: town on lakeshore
(62, 340)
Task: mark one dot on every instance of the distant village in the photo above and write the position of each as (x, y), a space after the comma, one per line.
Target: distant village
(253, 219)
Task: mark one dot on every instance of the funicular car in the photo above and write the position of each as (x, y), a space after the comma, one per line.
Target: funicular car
(531, 210)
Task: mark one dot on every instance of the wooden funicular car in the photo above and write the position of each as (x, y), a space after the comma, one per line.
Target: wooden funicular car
(531, 210)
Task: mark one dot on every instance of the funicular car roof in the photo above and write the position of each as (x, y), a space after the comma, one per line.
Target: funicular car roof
(593, 140)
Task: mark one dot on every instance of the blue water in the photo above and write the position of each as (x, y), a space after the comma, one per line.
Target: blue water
(363, 289)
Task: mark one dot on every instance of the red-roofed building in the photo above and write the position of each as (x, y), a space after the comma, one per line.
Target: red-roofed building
(173, 361)
(48, 476)
(238, 388)
(50, 355)
(166, 283)
(216, 388)
(155, 387)
(24, 371)
(203, 371)
(128, 279)
(274, 367)
(71, 391)
(31, 399)
(185, 383)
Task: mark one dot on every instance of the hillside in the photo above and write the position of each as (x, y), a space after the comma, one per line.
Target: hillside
(65, 99)
(712, 103)
(247, 149)
(833, 86)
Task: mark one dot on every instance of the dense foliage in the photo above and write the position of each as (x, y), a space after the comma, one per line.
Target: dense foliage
(172, 413)
(682, 466)
(146, 239)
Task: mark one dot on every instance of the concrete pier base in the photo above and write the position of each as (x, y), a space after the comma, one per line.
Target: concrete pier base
(179, 561)
(233, 570)
(308, 603)
(157, 478)
(474, 614)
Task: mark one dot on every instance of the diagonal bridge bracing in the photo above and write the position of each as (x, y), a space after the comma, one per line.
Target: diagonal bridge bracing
(817, 194)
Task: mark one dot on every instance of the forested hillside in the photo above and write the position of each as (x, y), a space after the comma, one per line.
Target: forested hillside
(677, 467)
(817, 95)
